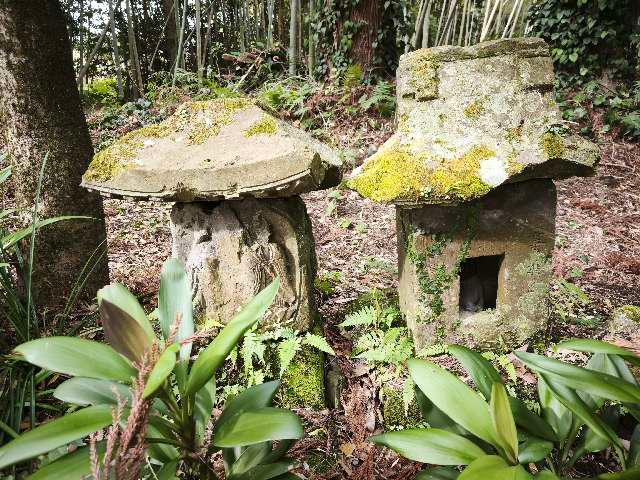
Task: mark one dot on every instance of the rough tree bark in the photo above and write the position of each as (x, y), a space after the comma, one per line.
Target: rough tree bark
(368, 15)
(171, 35)
(40, 113)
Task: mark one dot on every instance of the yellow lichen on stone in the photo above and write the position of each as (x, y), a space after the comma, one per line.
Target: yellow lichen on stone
(392, 174)
(552, 145)
(265, 126)
(474, 110)
(459, 178)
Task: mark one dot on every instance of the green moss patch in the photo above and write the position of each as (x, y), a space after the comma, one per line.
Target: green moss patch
(474, 110)
(265, 126)
(393, 411)
(552, 145)
(303, 381)
(632, 312)
(423, 72)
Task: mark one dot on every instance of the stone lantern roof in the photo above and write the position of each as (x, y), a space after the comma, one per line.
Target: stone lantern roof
(469, 120)
(213, 150)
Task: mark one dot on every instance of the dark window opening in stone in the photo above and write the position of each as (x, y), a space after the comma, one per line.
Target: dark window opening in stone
(479, 283)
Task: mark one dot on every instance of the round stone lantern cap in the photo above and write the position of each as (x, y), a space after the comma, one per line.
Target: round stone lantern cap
(213, 150)
(471, 119)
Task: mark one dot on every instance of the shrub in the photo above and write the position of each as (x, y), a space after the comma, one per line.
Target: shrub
(498, 437)
(101, 92)
(158, 401)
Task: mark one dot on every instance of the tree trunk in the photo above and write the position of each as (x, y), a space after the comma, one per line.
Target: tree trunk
(312, 43)
(199, 65)
(115, 50)
(134, 60)
(294, 53)
(171, 35)
(41, 113)
(368, 15)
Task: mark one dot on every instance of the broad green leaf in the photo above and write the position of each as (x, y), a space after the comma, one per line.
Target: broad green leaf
(503, 422)
(209, 359)
(257, 426)
(252, 456)
(205, 400)
(253, 398)
(122, 298)
(54, 434)
(492, 467)
(531, 422)
(572, 401)
(453, 397)
(77, 357)
(430, 445)
(438, 473)
(175, 300)
(555, 413)
(10, 240)
(598, 346)
(73, 466)
(546, 475)
(480, 369)
(264, 472)
(633, 458)
(631, 474)
(123, 332)
(533, 450)
(158, 428)
(161, 370)
(167, 472)
(435, 417)
(594, 383)
(91, 391)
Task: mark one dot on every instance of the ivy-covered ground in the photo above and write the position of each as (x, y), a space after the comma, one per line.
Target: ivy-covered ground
(597, 265)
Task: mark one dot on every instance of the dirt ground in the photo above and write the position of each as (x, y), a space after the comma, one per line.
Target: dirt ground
(598, 248)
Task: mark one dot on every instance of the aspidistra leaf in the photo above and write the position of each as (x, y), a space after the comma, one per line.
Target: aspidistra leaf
(77, 357)
(430, 445)
(503, 423)
(161, 370)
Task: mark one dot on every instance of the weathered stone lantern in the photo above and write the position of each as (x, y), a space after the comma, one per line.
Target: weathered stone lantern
(470, 168)
(235, 174)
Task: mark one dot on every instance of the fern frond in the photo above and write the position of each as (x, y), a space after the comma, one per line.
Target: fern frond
(316, 341)
(252, 346)
(365, 316)
(287, 350)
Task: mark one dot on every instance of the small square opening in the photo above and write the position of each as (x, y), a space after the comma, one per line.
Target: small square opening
(479, 283)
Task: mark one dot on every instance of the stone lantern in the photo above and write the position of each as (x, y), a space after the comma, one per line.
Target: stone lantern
(470, 168)
(235, 174)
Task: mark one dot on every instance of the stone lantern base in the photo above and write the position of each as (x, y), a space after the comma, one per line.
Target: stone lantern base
(233, 248)
(478, 273)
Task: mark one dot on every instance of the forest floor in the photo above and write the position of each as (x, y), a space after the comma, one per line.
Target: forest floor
(597, 248)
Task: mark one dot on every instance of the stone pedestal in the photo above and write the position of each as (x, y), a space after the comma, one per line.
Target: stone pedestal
(234, 248)
(478, 273)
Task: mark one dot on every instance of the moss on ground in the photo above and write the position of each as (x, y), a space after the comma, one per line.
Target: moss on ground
(303, 381)
(632, 312)
(393, 412)
(474, 110)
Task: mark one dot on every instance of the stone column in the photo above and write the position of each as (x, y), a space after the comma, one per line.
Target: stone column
(234, 248)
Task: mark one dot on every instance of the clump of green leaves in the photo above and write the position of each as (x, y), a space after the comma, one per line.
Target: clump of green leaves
(155, 381)
(570, 304)
(494, 435)
(381, 100)
(326, 283)
(101, 93)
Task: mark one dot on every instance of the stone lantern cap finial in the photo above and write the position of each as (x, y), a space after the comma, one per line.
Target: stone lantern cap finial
(469, 120)
(213, 150)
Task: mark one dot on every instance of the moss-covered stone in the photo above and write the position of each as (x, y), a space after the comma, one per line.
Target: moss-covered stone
(265, 126)
(393, 412)
(552, 145)
(474, 110)
(625, 322)
(396, 174)
(199, 120)
(303, 381)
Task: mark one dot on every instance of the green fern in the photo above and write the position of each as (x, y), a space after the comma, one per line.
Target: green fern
(365, 316)
(287, 350)
(434, 350)
(318, 342)
(393, 346)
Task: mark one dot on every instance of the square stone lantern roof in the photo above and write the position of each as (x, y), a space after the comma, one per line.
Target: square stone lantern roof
(214, 150)
(469, 120)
